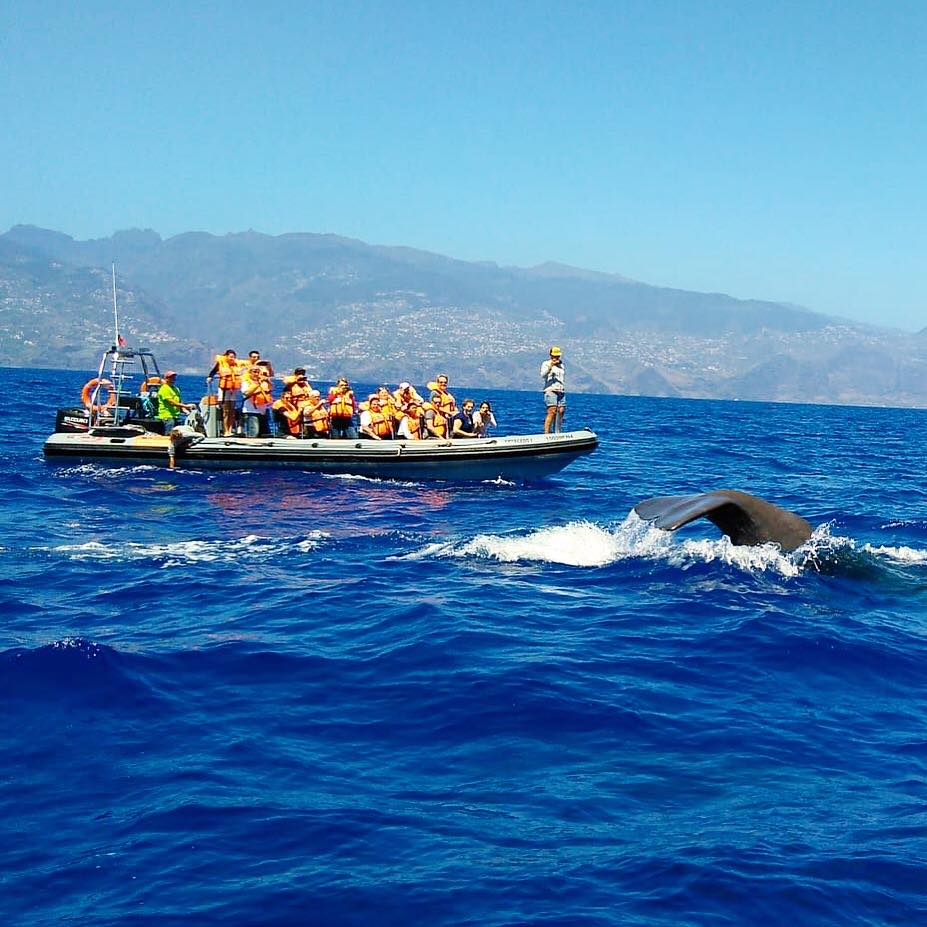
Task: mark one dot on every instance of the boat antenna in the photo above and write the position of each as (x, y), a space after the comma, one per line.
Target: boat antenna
(120, 341)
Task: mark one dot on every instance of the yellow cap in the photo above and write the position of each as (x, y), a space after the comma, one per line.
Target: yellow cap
(555, 351)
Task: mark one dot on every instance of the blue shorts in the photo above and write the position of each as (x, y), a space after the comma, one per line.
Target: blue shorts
(554, 399)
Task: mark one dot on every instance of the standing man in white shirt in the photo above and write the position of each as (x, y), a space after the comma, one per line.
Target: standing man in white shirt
(554, 391)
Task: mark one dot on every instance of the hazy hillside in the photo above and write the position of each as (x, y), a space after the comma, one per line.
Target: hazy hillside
(374, 312)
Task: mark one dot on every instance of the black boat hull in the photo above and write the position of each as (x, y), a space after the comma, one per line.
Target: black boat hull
(515, 458)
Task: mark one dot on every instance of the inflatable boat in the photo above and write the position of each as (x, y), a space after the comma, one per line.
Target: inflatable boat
(516, 457)
(113, 425)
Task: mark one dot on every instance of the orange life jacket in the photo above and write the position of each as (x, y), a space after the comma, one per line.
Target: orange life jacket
(298, 391)
(381, 424)
(414, 415)
(229, 372)
(317, 418)
(447, 403)
(440, 421)
(260, 392)
(388, 406)
(402, 398)
(291, 412)
(341, 405)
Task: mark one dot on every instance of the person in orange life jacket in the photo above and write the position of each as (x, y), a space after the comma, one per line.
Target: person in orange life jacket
(410, 422)
(462, 425)
(288, 409)
(297, 383)
(483, 419)
(268, 376)
(435, 421)
(374, 422)
(404, 394)
(341, 409)
(315, 416)
(392, 407)
(446, 402)
(387, 403)
(296, 389)
(258, 396)
(254, 358)
(288, 418)
(229, 369)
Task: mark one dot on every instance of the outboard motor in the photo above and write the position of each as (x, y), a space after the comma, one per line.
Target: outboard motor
(72, 421)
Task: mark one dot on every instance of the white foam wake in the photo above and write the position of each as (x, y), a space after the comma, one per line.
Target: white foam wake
(358, 478)
(251, 547)
(577, 543)
(95, 469)
(585, 544)
(900, 554)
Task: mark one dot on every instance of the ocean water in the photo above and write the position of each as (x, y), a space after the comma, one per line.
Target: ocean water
(279, 698)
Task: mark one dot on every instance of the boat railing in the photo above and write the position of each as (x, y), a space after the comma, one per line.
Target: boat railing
(117, 373)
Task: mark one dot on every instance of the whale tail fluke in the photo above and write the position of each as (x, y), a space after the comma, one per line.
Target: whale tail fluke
(745, 519)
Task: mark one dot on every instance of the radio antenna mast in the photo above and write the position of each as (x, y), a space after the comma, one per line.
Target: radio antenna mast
(120, 341)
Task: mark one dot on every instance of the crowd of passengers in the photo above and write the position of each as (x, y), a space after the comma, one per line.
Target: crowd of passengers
(248, 406)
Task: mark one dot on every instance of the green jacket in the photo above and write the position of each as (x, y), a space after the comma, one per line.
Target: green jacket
(170, 404)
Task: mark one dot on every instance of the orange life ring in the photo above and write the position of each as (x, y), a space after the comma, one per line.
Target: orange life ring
(149, 383)
(92, 386)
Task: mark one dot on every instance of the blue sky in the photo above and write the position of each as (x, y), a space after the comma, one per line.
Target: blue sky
(772, 150)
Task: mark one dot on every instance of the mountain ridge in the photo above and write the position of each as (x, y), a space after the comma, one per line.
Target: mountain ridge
(338, 304)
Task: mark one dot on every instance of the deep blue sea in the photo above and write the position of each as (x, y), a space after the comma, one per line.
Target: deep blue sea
(258, 698)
